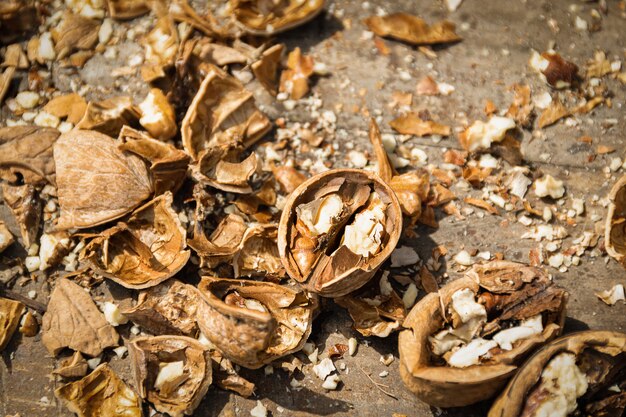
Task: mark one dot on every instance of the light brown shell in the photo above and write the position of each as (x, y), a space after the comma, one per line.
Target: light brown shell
(287, 15)
(511, 401)
(615, 231)
(10, 314)
(253, 338)
(353, 278)
(444, 386)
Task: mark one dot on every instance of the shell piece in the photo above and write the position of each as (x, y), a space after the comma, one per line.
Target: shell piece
(96, 182)
(73, 320)
(161, 46)
(294, 80)
(127, 9)
(27, 150)
(323, 263)
(168, 308)
(24, 203)
(226, 377)
(615, 228)
(510, 292)
(219, 167)
(412, 29)
(269, 18)
(100, 394)
(109, 116)
(171, 372)
(10, 314)
(157, 115)
(266, 68)
(253, 323)
(145, 250)
(601, 355)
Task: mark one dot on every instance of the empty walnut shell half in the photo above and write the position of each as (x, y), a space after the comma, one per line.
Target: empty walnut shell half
(592, 362)
(268, 18)
(171, 372)
(253, 323)
(337, 229)
(615, 229)
(508, 293)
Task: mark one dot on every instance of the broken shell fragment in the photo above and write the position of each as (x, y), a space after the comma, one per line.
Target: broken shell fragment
(109, 116)
(157, 115)
(100, 394)
(463, 343)
(6, 237)
(24, 203)
(10, 315)
(578, 374)
(556, 71)
(481, 135)
(73, 367)
(143, 251)
(27, 151)
(253, 323)
(270, 18)
(548, 186)
(127, 9)
(172, 372)
(615, 228)
(161, 46)
(412, 29)
(336, 230)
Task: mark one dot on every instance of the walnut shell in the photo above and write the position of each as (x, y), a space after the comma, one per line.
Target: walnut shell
(330, 275)
(250, 337)
(615, 228)
(512, 400)
(445, 386)
(253, 18)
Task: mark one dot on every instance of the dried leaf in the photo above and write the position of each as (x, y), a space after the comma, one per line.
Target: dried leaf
(412, 29)
(168, 308)
(100, 394)
(266, 68)
(96, 182)
(168, 165)
(222, 113)
(412, 124)
(161, 46)
(552, 114)
(72, 106)
(74, 367)
(270, 18)
(75, 32)
(24, 203)
(27, 151)
(157, 115)
(72, 320)
(253, 323)
(172, 372)
(295, 79)
(145, 250)
(127, 9)
(10, 314)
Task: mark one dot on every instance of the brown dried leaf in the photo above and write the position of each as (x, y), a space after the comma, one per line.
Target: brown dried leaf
(412, 29)
(253, 323)
(553, 113)
(72, 106)
(270, 18)
(27, 151)
(75, 32)
(100, 394)
(179, 392)
(96, 182)
(73, 367)
(223, 112)
(266, 68)
(72, 320)
(157, 115)
(295, 79)
(412, 124)
(10, 314)
(168, 165)
(109, 116)
(24, 203)
(127, 9)
(168, 308)
(288, 177)
(161, 46)
(145, 250)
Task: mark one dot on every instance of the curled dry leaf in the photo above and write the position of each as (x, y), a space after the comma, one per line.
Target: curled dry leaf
(222, 113)
(24, 203)
(100, 394)
(253, 323)
(10, 314)
(27, 151)
(168, 165)
(157, 115)
(508, 293)
(71, 106)
(73, 367)
(161, 46)
(376, 309)
(412, 124)
(266, 68)
(172, 372)
(553, 113)
(412, 29)
(96, 182)
(295, 79)
(219, 167)
(226, 377)
(336, 230)
(72, 320)
(75, 32)
(143, 251)
(109, 116)
(127, 9)
(168, 308)
(589, 364)
(269, 18)
(615, 227)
